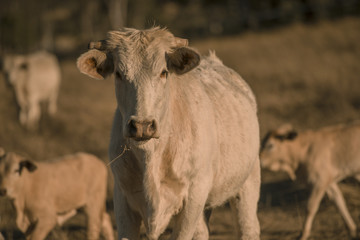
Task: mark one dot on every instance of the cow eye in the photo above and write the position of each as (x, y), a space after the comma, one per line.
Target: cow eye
(164, 74)
(269, 146)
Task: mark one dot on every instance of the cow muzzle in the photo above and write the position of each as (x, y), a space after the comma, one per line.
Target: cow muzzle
(142, 130)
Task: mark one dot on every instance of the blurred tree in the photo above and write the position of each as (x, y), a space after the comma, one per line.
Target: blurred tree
(117, 13)
(141, 12)
(87, 18)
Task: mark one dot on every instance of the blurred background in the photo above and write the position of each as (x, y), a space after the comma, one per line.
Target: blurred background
(64, 26)
(301, 58)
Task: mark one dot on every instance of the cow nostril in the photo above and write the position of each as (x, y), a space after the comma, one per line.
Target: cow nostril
(132, 127)
(153, 126)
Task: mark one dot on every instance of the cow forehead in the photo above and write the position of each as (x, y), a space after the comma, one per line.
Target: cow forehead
(140, 50)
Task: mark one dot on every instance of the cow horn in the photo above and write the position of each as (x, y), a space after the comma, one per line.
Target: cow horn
(99, 45)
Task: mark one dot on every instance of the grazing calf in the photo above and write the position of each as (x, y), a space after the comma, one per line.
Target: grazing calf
(185, 135)
(48, 193)
(329, 155)
(35, 79)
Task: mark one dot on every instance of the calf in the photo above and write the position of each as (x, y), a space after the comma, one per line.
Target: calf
(48, 193)
(329, 155)
(35, 79)
(185, 135)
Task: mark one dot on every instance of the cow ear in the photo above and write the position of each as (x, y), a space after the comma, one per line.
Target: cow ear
(24, 66)
(96, 64)
(29, 165)
(182, 60)
(291, 135)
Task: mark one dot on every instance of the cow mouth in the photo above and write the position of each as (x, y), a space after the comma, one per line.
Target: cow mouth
(141, 139)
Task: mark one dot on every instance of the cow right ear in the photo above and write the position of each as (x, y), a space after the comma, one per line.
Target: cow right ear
(96, 64)
(29, 165)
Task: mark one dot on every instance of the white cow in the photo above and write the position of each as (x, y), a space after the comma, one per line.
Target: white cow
(329, 155)
(48, 193)
(35, 79)
(185, 135)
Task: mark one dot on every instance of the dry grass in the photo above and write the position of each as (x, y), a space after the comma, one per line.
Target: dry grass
(307, 75)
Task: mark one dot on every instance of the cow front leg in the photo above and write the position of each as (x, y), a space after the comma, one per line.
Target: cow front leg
(202, 229)
(52, 106)
(191, 219)
(22, 221)
(44, 224)
(128, 222)
(244, 207)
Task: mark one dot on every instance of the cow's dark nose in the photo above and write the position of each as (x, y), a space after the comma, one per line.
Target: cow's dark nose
(142, 130)
(2, 191)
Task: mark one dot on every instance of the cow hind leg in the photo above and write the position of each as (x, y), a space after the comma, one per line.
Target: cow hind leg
(335, 194)
(62, 218)
(244, 207)
(94, 214)
(106, 227)
(316, 195)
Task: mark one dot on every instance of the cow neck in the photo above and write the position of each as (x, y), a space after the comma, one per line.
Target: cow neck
(22, 190)
(301, 147)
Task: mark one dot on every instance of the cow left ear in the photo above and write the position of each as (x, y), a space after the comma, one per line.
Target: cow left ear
(182, 60)
(29, 165)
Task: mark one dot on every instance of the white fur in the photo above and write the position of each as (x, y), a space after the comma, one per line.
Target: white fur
(206, 152)
(35, 78)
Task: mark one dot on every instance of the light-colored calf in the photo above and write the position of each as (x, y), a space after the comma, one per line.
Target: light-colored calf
(35, 79)
(48, 193)
(329, 155)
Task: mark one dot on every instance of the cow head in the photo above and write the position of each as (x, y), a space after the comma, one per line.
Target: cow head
(15, 68)
(12, 167)
(275, 153)
(144, 63)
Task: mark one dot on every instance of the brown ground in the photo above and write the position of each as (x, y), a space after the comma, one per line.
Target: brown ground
(307, 75)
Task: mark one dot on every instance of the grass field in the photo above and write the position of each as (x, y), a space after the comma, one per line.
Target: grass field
(307, 75)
